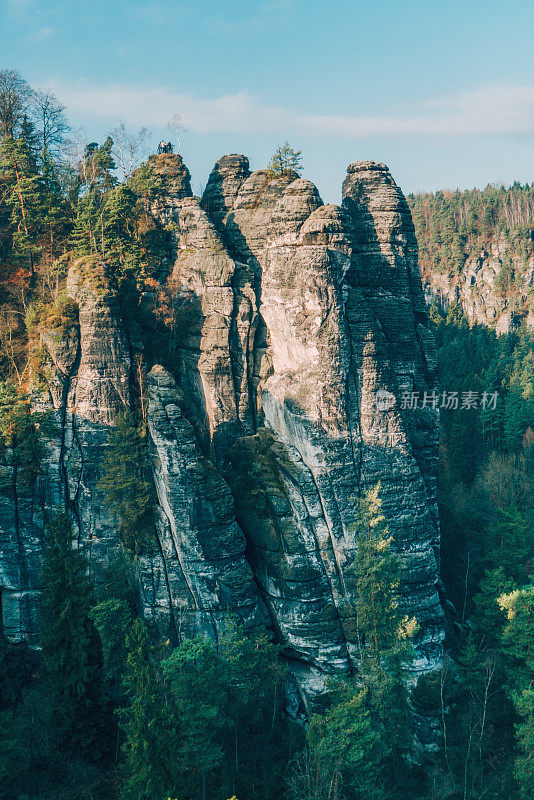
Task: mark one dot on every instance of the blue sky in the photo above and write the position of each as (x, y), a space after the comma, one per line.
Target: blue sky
(443, 92)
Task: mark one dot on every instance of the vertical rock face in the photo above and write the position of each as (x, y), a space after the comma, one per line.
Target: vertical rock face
(265, 429)
(202, 545)
(344, 317)
(223, 185)
(172, 175)
(204, 269)
(394, 351)
(88, 385)
(475, 287)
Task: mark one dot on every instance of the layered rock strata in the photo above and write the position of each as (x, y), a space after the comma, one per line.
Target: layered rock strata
(264, 425)
(475, 288)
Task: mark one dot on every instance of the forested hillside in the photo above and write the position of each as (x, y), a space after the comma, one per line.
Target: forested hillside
(476, 255)
(476, 248)
(105, 706)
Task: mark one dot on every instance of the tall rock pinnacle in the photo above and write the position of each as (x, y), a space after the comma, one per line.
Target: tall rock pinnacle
(265, 429)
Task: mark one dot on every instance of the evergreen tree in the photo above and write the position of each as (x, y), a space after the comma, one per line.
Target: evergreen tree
(345, 752)
(125, 487)
(377, 576)
(68, 639)
(524, 764)
(86, 226)
(28, 136)
(22, 432)
(285, 161)
(509, 544)
(23, 196)
(122, 247)
(257, 740)
(149, 738)
(197, 685)
(383, 634)
(112, 619)
(489, 618)
(96, 167)
(518, 638)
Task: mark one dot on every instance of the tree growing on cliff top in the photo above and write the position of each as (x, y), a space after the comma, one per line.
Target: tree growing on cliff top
(285, 161)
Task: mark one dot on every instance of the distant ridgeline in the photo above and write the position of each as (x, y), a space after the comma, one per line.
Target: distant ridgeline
(476, 248)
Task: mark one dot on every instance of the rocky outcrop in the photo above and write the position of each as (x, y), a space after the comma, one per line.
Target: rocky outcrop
(202, 564)
(264, 425)
(172, 181)
(343, 318)
(87, 376)
(475, 287)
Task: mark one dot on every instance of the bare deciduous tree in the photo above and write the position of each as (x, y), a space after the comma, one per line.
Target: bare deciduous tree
(15, 97)
(50, 121)
(129, 148)
(175, 125)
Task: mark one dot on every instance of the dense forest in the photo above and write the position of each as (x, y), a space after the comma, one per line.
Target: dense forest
(450, 225)
(103, 709)
(459, 231)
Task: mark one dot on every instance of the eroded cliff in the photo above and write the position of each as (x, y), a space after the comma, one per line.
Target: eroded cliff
(264, 427)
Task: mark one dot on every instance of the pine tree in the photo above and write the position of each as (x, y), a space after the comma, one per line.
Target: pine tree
(524, 764)
(22, 433)
(383, 634)
(112, 619)
(86, 226)
(121, 235)
(488, 617)
(517, 641)
(29, 137)
(285, 161)
(345, 750)
(509, 544)
(196, 683)
(148, 747)
(23, 196)
(96, 167)
(69, 640)
(256, 741)
(377, 577)
(124, 485)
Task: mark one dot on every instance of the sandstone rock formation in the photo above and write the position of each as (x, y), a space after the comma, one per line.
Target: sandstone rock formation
(264, 424)
(474, 288)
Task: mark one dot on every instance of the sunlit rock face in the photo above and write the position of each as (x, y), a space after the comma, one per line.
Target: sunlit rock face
(474, 286)
(264, 427)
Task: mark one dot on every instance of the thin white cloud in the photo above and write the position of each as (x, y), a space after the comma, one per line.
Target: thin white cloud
(492, 110)
(42, 34)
